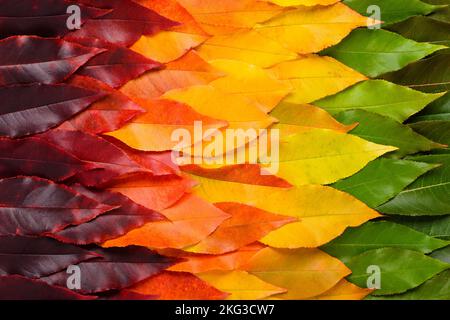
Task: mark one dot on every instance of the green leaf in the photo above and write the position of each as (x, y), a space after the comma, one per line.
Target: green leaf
(437, 130)
(440, 14)
(436, 288)
(427, 75)
(376, 235)
(442, 254)
(382, 130)
(423, 29)
(438, 227)
(437, 110)
(426, 196)
(374, 52)
(382, 179)
(401, 269)
(378, 96)
(393, 11)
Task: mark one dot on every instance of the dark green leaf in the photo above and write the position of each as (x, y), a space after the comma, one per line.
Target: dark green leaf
(438, 227)
(437, 110)
(442, 254)
(437, 130)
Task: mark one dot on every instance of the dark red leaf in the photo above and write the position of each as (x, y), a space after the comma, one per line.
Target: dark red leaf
(34, 206)
(106, 115)
(109, 161)
(119, 268)
(36, 157)
(124, 25)
(38, 257)
(117, 65)
(31, 109)
(127, 295)
(45, 18)
(29, 59)
(110, 225)
(21, 288)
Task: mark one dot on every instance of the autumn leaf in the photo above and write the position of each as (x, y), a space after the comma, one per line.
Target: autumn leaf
(344, 290)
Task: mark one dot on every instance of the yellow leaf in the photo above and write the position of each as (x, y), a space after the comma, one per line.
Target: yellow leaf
(344, 290)
(311, 29)
(289, 3)
(250, 81)
(323, 213)
(228, 16)
(240, 284)
(314, 77)
(304, 273)
(321, 156)
(248, 46)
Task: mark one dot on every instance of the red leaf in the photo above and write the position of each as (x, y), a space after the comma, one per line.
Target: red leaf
(33, 206)
(106, 115)
(127, 295)
(127, 22)
(31, 156)
(45, 18)
(38, 257)
(117, 269)
(20, 288)
(112, 224)
(117, 65)
(108, 160)
(27, 59)
(31, 109)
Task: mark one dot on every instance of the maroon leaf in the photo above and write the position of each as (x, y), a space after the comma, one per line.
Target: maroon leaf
(111, 224)
(127, 295)
(30, 109)
(117, 269)
(124, 25)
(34, 206)
(21, 288)
(106, 115)
(38, 257)
(36, 157)
(45, 18)
(109, 161)
(29, 59)
(117, 65)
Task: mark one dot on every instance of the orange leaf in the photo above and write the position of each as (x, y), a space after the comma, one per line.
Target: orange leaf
(344, 290)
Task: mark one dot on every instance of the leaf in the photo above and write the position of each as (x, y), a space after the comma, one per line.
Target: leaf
(112, 224)
(38, 257)
(442, 254)
(401, 269)
(393, 11)
(115, 66)
(425, 75)
(153, 130)
(298, 116)
(178, 286)
(383, 130)
(116, 269)
(246, 225)
(191, 220)
(438, 227)
(382, 179)
(289, 3)
(153, 192)
(32, 109)
(379, 97)
(320, 156)
(228, 16)
(124, 25)
(377, 235)
(436, 130)
(247, 46)
(189, 70)
(31, 156)
(314, 77)
(436, 288)
(108, 114)
(426, 195)
(107, 160)
(437, 110)
(21, 288)
(29, 59)
(305, 273)
(250, 81)
(441, 14)
(344, 290)
(375, 52)
(323, 212)
(240, 285)
(34, 206)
